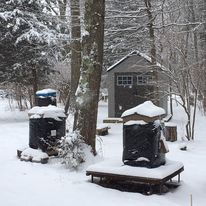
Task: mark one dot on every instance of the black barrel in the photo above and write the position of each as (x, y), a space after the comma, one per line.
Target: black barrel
(45, 132)
(141, 145)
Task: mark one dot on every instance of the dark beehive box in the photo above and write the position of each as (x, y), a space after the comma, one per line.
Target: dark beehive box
(141, 145)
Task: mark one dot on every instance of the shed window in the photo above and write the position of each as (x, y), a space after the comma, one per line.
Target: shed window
(144, 79)
(124, 80)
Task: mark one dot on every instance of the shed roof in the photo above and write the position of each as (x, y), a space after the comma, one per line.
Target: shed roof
(146, 57)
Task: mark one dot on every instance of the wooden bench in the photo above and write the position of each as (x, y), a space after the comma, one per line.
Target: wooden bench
(141, 179)
(113, 120)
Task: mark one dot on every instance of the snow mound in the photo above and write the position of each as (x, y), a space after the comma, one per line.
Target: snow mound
(146, 109)
(47, 112)
(36, 154)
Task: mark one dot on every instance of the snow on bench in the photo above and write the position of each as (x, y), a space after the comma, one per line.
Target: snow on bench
(114, 169)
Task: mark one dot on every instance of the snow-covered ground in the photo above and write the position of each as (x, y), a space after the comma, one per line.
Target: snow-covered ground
(33, 184)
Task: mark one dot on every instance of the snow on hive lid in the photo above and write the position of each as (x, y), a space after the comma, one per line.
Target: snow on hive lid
(47, 112)
(46, 93)
(147, 109)
(132, 122)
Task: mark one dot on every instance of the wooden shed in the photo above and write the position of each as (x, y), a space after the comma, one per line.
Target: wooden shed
(134, 80)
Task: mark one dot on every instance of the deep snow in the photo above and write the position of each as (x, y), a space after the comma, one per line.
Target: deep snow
(33, 184)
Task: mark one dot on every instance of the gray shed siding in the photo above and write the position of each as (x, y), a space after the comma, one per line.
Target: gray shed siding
(132, 64)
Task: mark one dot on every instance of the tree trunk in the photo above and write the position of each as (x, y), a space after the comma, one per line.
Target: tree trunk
(170, 98)
(62, 8)
(89, 84)
(35, 85)
(194, 116)
(151, 31)
(152, 48)
(203, 56)
(75, 52)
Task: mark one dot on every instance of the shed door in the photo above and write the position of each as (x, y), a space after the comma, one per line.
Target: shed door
(128, 93)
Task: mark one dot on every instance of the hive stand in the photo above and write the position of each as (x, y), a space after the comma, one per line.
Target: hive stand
(150, 177)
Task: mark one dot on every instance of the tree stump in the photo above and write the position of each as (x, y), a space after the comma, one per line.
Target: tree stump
(102, 131)
(170, 132)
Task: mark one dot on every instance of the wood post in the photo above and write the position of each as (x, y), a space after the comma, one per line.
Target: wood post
(171, 132)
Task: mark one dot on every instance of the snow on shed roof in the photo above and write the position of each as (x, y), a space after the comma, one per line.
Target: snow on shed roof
(132, 54)
(146, 109)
